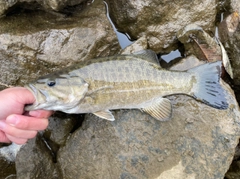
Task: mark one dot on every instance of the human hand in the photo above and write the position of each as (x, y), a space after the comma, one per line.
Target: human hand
(16, 125)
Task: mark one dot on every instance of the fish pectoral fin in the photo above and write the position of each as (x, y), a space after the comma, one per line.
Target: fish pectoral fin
(161, 109)
(105, 115)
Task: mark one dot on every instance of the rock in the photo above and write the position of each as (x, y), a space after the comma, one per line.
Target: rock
(235, 6)
(196, 41)
(198, 142)
(60, 126)
(7, 169)
(35, 43)
(38, 157)
(7, 160)
(193, 144)
(160, 20)
(234, 170)
(186, 63)
(7, 6)
(59, 5)
(138, 45)
(34, 160)
(7, 166)
(229, 32)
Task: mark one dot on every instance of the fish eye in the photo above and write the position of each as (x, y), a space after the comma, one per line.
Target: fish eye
(51, 83)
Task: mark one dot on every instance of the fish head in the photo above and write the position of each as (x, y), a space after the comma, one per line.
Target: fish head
(57, 92)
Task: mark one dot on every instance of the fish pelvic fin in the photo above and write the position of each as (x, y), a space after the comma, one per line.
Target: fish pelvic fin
(161, 109)
(105, 115)
(207, 87)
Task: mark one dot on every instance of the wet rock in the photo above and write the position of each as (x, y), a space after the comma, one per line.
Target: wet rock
(35, 42)
(198, 142)
(8, 6)
(34, 160)
(160, 20)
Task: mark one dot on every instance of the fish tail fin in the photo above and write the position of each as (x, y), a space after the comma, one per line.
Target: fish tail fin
(207, 88)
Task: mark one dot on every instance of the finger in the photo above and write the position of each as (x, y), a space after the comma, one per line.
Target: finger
(13, 101)
(40, 113)
(3, 138)
(17, 140)
(15, 132)
(27, 122)
(21, 94)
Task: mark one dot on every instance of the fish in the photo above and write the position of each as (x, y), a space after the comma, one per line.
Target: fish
(130, 81)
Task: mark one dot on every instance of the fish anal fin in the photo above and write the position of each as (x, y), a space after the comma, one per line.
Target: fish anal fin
(106, 114)
(161, 109)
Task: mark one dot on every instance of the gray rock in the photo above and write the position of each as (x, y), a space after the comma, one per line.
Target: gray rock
(7, 167)
(9, 152)
(34, 160)
(235, 6)
(60, 126)
(8, 5)
(186, 63)
(36, 43)
(7, 160)
(38, 156)
(138, 45)
(160, 20)
(5, 5)
(59, 4)
(234, 170)
(198, 42)
(199, 142)
(229, 32)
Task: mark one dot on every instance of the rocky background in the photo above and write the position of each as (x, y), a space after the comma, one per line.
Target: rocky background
(200, 142)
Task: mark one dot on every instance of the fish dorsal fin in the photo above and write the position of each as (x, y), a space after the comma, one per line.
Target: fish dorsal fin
(105, 115)
(161, 109)
(148, 55)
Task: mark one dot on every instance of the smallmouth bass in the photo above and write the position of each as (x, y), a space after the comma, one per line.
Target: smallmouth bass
(134, 81)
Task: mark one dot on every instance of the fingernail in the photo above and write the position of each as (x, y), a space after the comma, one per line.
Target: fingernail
(2, 125)
(12, 120)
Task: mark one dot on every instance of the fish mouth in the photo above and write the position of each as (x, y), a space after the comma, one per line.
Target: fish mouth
(35, 92)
